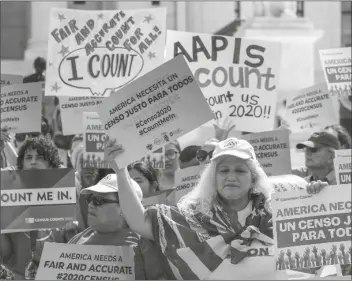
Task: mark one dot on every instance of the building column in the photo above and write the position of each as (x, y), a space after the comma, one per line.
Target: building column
(40, 22)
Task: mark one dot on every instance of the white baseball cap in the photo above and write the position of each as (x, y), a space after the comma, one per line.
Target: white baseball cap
(234, 147)
(109, 184)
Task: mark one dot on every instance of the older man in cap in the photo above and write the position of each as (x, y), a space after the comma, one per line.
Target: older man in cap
(319, 155)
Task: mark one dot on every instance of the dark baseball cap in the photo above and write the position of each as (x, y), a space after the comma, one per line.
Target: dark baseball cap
(320, 139)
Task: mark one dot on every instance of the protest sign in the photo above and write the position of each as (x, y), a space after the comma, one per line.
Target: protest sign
(156, 159)
(10, 79)
(90, 53)
(272, 150)
(159, 197)
(343, 153)
(86, 262)
(238, 77)
(93, 142)
(185, 180)
(312, 230)
(285, 183)
(35, 199)
(72, 109)
(21, 107)
(154, 110)
(312, 109)
(343, 170)
(337, 70)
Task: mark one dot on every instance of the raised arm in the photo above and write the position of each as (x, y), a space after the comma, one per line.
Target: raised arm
(131, 206)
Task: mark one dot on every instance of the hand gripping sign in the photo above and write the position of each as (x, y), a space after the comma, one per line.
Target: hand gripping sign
(93, 52)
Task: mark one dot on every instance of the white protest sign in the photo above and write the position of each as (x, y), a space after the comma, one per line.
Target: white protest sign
(343, 170)
(154, 110)
(185, 180)
(285, 183)
(72, 109)
(21, 107)
(10, 79)
(272, 150)
(90, 53)
(342, 153)
(93, 142)
(86, 262)
(312, 230)
(238, 77)
(312, 109)
(337, 70)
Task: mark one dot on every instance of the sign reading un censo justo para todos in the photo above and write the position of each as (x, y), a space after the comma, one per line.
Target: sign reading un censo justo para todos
(90, 53)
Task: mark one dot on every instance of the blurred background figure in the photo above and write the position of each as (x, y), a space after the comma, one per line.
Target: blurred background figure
(39, 75)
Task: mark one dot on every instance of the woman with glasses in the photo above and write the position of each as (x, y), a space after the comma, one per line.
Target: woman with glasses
(107, 226)
(167, 178)
(204, 236)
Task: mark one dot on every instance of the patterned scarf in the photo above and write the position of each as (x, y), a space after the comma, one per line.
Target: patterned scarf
(195, 244)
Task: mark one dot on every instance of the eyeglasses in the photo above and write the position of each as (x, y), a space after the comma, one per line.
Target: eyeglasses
(98, 201)
(202, 155)
(171, 154)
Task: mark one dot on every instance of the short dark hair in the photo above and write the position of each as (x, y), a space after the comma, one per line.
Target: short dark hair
(342, 135)
(146, 170)
(40, 63)
(44, 148)
(189, 153)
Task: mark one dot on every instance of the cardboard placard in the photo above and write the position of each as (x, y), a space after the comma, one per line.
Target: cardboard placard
(91, 53)
(86, 262)
(154, 110)
(312, 230)
(343, 170)
(37, 199)
(343, 153)
(272, 150)
(21, 107)
(10, 79)
(311, 110)
(337, 70)
(93, 142)
(238, 77)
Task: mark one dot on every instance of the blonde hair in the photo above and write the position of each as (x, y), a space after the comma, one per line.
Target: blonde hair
(203, 196)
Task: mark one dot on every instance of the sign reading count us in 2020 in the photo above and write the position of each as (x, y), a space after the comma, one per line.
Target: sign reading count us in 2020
(91, 53)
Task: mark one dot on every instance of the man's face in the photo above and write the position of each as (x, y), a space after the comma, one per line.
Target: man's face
(32, 160)
(318, 157)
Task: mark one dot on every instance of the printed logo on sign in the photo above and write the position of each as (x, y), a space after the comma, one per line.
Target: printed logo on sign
(29, 220)
(230, 144)
(149, 146)
(166, 137)
(157, 141)
(175, 132)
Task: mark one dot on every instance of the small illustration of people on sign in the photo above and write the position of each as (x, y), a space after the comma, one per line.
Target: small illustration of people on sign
(156, 159)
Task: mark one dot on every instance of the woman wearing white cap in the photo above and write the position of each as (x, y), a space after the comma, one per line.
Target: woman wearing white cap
(208, 234)
(107, 226)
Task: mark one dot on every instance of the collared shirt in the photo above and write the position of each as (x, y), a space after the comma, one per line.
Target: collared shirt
(330, 178)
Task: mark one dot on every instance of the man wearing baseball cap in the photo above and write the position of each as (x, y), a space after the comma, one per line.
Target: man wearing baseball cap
(319, 155)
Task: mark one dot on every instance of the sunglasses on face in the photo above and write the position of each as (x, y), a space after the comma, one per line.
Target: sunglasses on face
(171, 154)
(202, 155)
(98, 201)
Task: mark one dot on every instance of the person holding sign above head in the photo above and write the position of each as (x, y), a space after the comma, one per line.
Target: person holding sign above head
(227, 216)
(107, 226)
(19, 248)
(319, 155)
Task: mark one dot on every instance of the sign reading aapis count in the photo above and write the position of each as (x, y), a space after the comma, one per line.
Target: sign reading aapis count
(91, 53)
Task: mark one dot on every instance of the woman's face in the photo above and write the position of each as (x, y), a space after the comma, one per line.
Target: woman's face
(106, 216)
(171, 159)
(233, 178)
(143, 182)
(32, 160)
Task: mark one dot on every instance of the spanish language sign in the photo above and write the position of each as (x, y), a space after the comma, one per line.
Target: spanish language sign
(238, 76)
(154, 110)
(185, 180)
(86, 262)
(337, 70)
(21, 107)
(93, 142)
(36, 199)
(90, 53)
(10, 79)
(343, 170)
(285, 183)
(311, 110)
(312, 230)
(156, 159)
(272, 150)
(72, 109)
(343, 153)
